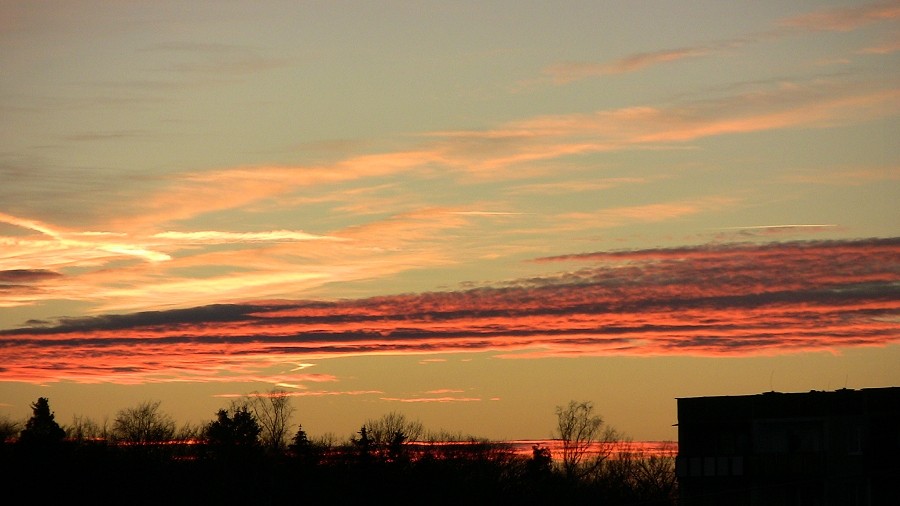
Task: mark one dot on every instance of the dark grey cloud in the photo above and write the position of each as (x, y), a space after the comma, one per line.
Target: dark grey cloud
(27, 275)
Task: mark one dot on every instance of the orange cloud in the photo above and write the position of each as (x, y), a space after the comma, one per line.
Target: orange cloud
(255, 265)
(118, 265)
(790, 105)
(649, 213)
(68, 246)
(185, 196)
(714, 299)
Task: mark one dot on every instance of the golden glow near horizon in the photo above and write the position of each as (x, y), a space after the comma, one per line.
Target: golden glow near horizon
(415, 207)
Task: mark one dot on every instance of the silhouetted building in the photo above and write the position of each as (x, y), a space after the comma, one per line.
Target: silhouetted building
(814, 448)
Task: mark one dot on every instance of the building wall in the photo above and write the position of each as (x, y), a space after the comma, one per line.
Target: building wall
(816, 448)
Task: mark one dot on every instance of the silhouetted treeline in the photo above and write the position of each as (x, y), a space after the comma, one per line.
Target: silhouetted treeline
(142, 459)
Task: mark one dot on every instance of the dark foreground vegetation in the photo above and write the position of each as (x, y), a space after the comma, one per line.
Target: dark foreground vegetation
(244, 456)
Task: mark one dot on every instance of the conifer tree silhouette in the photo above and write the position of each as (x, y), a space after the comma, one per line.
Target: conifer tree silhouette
(41, 429)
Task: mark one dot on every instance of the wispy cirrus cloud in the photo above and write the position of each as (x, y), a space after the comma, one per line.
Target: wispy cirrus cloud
(148, 255)
(187, 195)
(887, 47)
(841, 19)
(224, 266)
(564, 73)
(784, 106)
(106, 136)
(712, 299)
(844, 19)
(214, 59)
(441, 400)
(313, 393)
(575, 186)
(773, 230)
(647, 213)
(515, 150)
(59, 250)
(57, 247)
(214, 237)
(847, 177)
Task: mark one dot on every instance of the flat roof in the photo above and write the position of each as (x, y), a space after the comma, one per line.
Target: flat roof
(775, 393)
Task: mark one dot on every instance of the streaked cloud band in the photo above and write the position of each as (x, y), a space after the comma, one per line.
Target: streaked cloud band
(710, 300)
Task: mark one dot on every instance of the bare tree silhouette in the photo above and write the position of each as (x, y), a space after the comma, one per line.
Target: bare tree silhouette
(143, 424)
(586, 442)
(273, 411)
(9, 428)
(391, 432)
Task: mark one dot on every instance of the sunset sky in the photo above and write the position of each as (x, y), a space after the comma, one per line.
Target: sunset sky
(467, 212)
